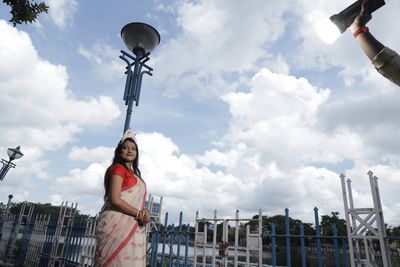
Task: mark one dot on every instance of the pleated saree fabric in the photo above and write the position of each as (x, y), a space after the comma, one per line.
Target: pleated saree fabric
(121, 241)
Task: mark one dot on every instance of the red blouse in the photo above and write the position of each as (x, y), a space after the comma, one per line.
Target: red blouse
(129, 179)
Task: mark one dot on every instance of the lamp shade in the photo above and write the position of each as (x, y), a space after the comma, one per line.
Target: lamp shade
(14, 153)
(140, 38)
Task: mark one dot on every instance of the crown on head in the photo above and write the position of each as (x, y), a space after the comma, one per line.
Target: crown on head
(128, 134)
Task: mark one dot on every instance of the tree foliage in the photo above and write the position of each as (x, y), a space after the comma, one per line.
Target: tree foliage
(328, 220)
(24, 11)
(41, 209)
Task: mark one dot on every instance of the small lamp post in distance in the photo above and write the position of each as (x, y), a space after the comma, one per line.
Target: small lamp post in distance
(13, 153)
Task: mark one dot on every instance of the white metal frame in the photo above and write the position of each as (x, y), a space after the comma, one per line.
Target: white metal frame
(201, 240)
(365, 225)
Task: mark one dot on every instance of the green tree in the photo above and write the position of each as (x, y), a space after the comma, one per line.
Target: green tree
(328, 220)
(24, 11)
(280, 227)
(44, 209)
(393, 232)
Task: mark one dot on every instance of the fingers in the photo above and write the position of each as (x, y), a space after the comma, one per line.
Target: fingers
(144, 216)
(362, 18)
(363, 4)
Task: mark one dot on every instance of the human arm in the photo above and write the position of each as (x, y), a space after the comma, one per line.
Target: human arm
(122, 205)
(367, 41)
(385, 60)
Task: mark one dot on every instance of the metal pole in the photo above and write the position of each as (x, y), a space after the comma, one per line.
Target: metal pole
(179, 238)
(196, 229)
(336, 245)
(348, 224)
(235, 261)
(260, 238)
(318, 236)
(303, 247)
(214, 245)
(5, 216)
(7, 165)
(134, 83)
(380, 220)
(273, 236)
(287, 233)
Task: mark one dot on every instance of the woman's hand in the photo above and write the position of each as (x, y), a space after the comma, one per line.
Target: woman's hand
(362, 18)
(144, 216)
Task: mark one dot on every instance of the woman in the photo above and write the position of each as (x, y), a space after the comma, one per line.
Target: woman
(121, 235)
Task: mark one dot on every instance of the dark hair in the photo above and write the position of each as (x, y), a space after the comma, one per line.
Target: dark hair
(117, 159)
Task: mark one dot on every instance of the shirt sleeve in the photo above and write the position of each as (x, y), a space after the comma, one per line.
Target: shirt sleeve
(387, 63)
(117, 169)
(128, 179)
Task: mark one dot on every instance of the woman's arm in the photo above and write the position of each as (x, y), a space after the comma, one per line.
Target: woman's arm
(116, 200)
(367, 41)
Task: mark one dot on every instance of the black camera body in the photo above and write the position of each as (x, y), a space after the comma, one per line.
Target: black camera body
(346, 17)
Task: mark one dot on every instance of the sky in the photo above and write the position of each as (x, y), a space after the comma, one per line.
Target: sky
(247, 108)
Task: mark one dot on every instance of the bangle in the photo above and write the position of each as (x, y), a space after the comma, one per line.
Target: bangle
(137, 214)
(362, 29)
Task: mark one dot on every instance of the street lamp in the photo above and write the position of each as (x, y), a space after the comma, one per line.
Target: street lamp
(140, 39)
(13, 153)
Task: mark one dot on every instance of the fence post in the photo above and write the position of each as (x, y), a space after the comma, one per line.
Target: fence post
(318, 237)
(336, 245)
(214, 238)
(287, 233)
(260, 231)
(26, 237)
(303, 247)
(179, 237)
(345, 252)
(171, 245)
(235, 261)
(273, 236)
(187, 244)
(196, 229)
(156, 234)
(164, 239)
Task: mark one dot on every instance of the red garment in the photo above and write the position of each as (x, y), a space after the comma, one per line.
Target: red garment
(129, 178)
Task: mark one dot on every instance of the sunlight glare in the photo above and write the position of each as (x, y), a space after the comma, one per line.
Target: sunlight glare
(327, 31)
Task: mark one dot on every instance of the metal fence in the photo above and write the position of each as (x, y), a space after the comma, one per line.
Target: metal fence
(69, 240)
(182, 245)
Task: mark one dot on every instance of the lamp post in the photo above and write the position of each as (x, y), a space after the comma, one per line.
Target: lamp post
(4, 216)
(13, 153)
(140, 39)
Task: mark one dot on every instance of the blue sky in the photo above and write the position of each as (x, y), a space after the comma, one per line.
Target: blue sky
(246, 109)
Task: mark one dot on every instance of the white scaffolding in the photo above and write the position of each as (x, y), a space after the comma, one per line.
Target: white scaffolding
(364, 226)
(228, 250)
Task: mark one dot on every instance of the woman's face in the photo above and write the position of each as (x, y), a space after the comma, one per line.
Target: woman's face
(128, 151)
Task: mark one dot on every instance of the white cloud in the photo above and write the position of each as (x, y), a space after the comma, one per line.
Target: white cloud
(279, 116)
(98, 154)
(82, 182)
(223, 40)
(104, 61)
(282, 127)
(55, 199)
(267, 159)
(62, 11)
(40, 110)
(275, 138)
